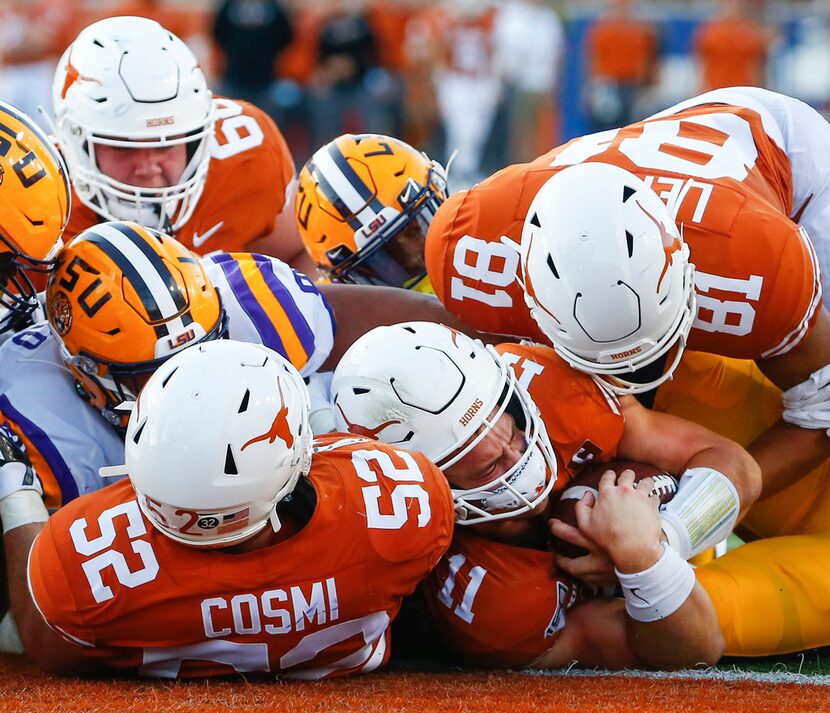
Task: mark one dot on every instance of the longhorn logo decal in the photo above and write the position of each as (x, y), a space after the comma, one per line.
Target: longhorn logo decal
(280, 428)
(364, 430)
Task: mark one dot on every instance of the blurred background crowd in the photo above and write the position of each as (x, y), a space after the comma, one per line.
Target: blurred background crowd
(498, 81)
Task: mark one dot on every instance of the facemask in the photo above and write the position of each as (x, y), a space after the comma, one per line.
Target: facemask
(520, 489)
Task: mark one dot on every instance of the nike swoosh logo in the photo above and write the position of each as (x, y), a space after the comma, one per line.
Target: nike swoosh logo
(198, 240)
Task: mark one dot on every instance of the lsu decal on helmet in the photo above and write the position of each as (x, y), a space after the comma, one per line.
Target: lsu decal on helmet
(128, 83)
(210, 458)
(122, 300)
(34, 208)
(426, 387)
(363, 206)
(606, 274)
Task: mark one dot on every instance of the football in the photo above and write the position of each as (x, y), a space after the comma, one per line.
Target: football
(664, 487)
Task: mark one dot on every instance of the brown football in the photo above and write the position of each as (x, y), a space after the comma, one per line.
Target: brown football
(665, 487)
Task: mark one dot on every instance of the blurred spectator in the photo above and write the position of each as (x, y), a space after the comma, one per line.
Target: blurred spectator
(251, 35)
(732, 48)
(174, 19)
(622, 64)
(467, 85)
(528, 40)
(805, 68)
(350, 93)
(421, 120)
(33, 34)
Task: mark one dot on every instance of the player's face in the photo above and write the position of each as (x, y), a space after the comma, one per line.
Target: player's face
(156, 167)
(497, 452)
(407, 249)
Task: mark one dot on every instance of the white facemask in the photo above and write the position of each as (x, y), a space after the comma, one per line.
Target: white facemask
(521, 488)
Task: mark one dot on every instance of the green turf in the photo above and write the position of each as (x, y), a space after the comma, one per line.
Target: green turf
(813, 662)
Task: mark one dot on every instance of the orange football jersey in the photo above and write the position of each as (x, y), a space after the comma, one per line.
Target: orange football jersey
(468, 592)
(316, 605)
(497, 605)
(729, 186)
(245, 190)
(583, 419)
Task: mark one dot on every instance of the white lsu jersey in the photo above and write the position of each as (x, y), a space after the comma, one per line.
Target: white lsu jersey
(67, 441)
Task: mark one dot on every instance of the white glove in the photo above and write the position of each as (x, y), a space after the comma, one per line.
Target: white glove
(807, 404)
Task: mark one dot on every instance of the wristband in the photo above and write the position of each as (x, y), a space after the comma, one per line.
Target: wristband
(660, 590)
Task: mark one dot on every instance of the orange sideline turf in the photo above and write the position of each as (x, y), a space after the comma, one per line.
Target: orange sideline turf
(23, 689)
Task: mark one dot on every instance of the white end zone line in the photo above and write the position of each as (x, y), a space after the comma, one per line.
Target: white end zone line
(708, 674)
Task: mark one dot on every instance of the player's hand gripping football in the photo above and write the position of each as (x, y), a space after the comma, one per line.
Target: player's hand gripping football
(623, 522)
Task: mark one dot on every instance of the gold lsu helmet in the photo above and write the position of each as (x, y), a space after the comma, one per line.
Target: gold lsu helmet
(122, 300)
(363, 207)
(34, 208)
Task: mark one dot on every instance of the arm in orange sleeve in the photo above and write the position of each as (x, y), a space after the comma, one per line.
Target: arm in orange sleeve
(282, 239)
(43, 646)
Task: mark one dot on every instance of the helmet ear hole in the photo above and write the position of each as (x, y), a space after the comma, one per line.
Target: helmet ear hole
(230, 462)
(168, 377)
(138, 432)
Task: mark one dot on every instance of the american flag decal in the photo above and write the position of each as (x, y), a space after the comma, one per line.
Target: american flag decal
(235, 521)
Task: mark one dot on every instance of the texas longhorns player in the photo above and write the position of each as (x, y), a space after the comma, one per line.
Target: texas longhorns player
(737, 171)
(236, 545)
(721, 167)
(145, 140)
(508, 427)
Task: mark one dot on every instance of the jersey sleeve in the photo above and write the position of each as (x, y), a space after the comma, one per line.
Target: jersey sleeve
(472, 271)
(583, 418)
(52, 592)
(406, 500)
(248, 182)
(272, 168)
(269, 303)
(758, 288)
(497, 605)
(427, 530)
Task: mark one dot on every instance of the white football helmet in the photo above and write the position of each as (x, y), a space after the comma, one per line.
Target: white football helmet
(426, 387)
(128, 82)
(606, 273)
(217, 437)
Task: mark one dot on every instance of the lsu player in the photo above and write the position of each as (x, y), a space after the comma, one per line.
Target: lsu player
(146, 141)
(295, 563)
(508, 427)
(34, 207)
(122, 299)
(363, 207)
